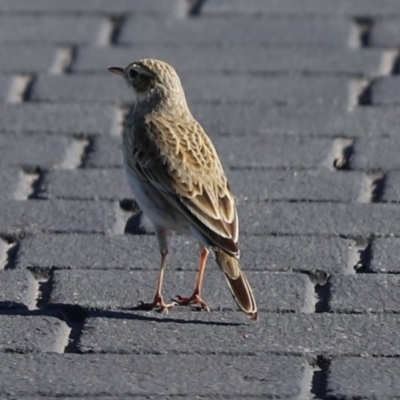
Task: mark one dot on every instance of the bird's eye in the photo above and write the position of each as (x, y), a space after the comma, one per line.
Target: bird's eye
(133, 74)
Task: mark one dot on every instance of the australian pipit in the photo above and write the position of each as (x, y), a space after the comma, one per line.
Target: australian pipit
(177, 179)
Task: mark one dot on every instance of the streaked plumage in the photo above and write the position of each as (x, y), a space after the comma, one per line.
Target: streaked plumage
(177, 178)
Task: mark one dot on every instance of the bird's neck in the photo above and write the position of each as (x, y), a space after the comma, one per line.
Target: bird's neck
(173, 106)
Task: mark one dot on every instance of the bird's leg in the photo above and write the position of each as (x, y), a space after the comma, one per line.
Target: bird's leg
(195, 298)
(158, 301)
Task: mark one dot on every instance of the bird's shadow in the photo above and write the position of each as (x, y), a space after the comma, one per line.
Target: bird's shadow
(78, 314)
(163, 318)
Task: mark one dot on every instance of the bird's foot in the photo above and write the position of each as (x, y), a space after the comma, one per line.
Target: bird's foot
(193, 299)
(157, 303)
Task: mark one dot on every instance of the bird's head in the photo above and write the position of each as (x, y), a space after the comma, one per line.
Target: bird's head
(152, 80)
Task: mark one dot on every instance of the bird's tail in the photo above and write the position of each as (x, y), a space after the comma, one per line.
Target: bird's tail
(238, 284)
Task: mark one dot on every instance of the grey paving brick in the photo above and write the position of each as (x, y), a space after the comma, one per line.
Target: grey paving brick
(293, 333)
(56, 118)
(272, 151)
(9, 182)
(386, 8)
(105, 152)
(140, 251)
(85, 251)
(95, 397)
(4, 247)
(247, 184)
(90, 398)
(364, 293)
(27, 58)
(253, 185)
(386, 33)
(267, 90)
(305, 120)
(392, 187)
(262, 218)
(25, 334)
(81, 88)
(32, 150)
(376, 154)
(386, 91)
(5, 86)
(50, 29)
(385, 255)
(111, 290)
(86, 184)
(299, 31)
(315, 185)
(252, 151)
(351, 220)
(236, 58)
(370, 378)
(123, 375)
(247, 89)
(302, 253)
(17, 289)
(152, 7)
(60, 216)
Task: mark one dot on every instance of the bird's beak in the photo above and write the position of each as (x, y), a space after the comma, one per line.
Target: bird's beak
(116, 71)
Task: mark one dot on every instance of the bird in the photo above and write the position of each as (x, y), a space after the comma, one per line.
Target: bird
(178, 181)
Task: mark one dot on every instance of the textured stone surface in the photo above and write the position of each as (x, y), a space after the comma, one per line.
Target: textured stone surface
(110, 290)
(365, 293)
(315, 185)
(266, 31)
(105, 152)
(386, 33)
(254, 151)
(86, 184)
(330, 334)
(5, 87)
(62, 216)
(17, 289)
(365, 377)
(53, 29)
(122, 375)
(297, 121)
(57, 118)
(312, 8)
(90, 6)
(349, 220)
(10, 178)
(247, 89)
(300, 98)
(262, 253)
(386, 91)
(253, 185)
(385, 255)
(274, 59)
(391, 192)
(373, 154)
(33, 150)
(28, 334)
(27, 58)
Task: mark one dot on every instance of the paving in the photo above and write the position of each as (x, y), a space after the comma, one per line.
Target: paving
(301, 98)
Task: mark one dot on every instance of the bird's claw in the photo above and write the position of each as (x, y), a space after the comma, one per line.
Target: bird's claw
(193, 299)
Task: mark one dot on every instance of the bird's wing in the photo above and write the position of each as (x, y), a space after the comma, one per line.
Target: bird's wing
(184, 167)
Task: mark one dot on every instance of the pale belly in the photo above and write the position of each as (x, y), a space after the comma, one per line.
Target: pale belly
(156, 208)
